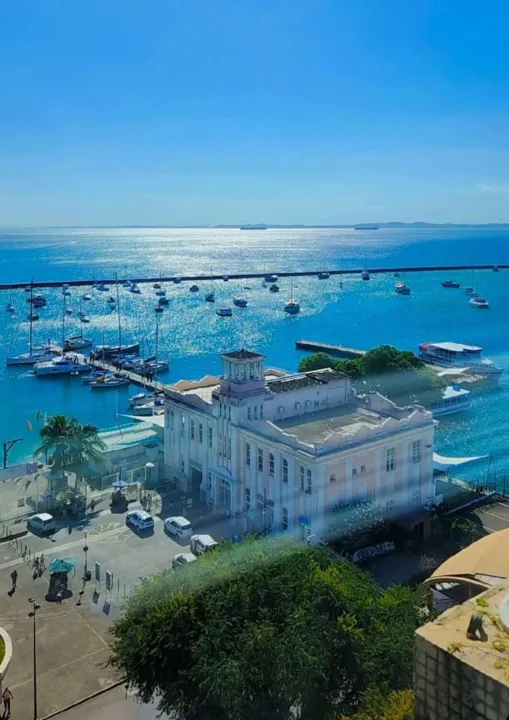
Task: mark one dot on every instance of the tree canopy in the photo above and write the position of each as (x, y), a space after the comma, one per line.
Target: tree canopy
(262, 628)
(398, 374)
(68, 441)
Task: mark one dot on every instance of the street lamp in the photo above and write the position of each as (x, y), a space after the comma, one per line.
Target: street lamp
(86, 574)
(32, 614)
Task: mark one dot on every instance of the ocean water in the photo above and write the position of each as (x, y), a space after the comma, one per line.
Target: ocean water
(361, 314)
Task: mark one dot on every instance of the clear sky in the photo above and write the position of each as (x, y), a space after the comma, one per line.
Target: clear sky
(226, 111)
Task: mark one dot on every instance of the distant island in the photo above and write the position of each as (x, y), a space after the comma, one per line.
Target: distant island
(262, 226)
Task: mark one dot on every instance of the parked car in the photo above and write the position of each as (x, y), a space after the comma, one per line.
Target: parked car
(179, 527)
(139, 520)
(183, 559)
(42, 524)
(200, 544)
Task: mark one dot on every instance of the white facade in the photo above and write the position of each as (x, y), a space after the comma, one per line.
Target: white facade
(282, 450)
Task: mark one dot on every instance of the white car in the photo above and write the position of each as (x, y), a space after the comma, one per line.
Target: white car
(183, 559)
(200, 544)
(42, 523)
(178, 526)
(139, 520)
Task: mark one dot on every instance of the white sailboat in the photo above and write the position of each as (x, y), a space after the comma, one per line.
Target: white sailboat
(292, 306)
(34, 354)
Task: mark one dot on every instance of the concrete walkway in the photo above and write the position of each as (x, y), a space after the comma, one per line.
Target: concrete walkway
(111, 705)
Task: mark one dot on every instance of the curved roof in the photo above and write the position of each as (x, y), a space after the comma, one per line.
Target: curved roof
(487, 556)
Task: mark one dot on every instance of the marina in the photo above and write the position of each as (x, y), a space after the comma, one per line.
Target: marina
(335, 350)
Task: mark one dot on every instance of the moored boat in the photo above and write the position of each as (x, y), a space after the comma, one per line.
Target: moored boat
(109, 351)
(64, 365)
(194, 289)
(240, 302)
(77, 342)
(365, 275)
(457, 355)
(454, 399)
(224, 312)
(108, 382)
(323, 275)
(450, 284)
(274, 287)
(210, 297)
(402, 289)
(478, 301)
(292, 307)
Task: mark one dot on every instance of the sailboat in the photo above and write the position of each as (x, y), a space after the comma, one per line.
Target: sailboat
(34, 354)
(78, 342)
(10, 306)
(109, 351)
(292, 307)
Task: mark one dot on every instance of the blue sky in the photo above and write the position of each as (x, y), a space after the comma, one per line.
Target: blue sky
(226, 111)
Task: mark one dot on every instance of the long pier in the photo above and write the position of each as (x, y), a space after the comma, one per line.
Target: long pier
(249, 276)
(340, 350)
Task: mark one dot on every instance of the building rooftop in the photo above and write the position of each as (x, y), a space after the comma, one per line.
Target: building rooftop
(485, 557)
(127, 436)
(453, 347)
(242, 355)
(314, 428)
(298, 381)
(488, 654)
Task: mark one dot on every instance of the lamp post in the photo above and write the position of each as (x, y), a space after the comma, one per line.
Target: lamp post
(32, 614)
(85, 550)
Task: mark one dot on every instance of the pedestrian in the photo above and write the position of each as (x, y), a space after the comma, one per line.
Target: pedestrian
(7, 697)
(42, 562)
(92, 505)
(14, 578)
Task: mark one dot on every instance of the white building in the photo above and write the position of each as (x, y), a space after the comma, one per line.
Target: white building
(282, 449)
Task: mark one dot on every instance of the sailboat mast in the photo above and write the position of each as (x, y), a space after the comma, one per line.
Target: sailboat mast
(63, 319)
(81, 323)
(30, 318)
(118, 314)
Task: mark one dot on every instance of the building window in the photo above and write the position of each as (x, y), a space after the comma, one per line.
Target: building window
(363, 468)
(317, 403)
(249, 413)
(220, 443)
(229, 412)
(182, 467)
(248, 454)
(210, 436)
(248, 498)
(308, 488)
(354, 471)
(260, 460)
(224, 446)
(182, 425)
(301, 473)
(200, 433)
(191, 429)
(271, 465)
(285, 471)
(284, 519)
(332, 478)
(209, 481)
(261, 412)
(390, 460)
(297, 406)
(251, 371)
(416, 452)
(229, 448)
(255, 410)
(172, 418)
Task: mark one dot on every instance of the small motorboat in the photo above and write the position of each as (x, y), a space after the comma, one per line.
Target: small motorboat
(292, 307)
(126, 284)
(240, 302)
(38, 301)
(28, 288)
(224, 312)
(10, 308)
(450, 284)
(225, 278)
(177, 280)
(156, 286)
(84, 319)
(194, 288)
(33, 316)
(107, 382)
(141, 398)
(134, 289)
(323, 275)
(163, 301)
(274, 287)
(478, 301)
(95, 374)
(402, 289)
(161, 293)
(365, 275)
(111, 300)
(470, 290)
(101, 287)
(270, 278)
(86, 297)
(495, 268)
(68, 311)
(159, 308)
(210, 298)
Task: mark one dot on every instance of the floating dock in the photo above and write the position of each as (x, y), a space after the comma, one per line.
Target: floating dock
(249, 276)
(133, 377)
(339, 350)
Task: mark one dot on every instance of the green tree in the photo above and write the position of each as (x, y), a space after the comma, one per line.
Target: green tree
(316, 361)
(66, 441)
(381, 704)
(262, 629)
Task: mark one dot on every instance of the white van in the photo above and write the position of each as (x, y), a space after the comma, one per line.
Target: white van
(179, 527)
(200, 544)
(42, 524)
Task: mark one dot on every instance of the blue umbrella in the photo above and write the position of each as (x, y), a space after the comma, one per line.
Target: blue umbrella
(119, 484)
(64, 565)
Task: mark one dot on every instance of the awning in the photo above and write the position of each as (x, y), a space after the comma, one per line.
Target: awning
(440, 462)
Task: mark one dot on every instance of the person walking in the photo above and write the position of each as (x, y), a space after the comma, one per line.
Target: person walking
(14, 578)
(7, 697)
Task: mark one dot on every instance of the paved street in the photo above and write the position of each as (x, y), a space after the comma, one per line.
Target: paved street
(112, 705)
(72, 637)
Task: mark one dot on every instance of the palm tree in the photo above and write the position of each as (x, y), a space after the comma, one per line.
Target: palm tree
(69, 442)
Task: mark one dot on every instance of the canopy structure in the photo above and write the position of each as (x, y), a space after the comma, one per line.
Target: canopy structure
(62, 565)
(119, 484)
(440, 462)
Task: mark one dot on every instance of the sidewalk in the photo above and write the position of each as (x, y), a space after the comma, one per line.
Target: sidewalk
(110, 705)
